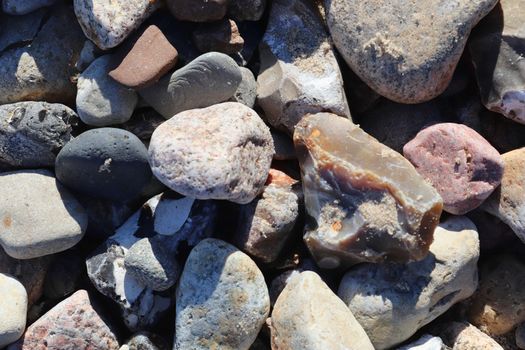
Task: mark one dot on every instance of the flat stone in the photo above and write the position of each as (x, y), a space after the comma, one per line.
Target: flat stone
(299, 73)
(13, 304)
(367, 202)
(426, 342)
(22, 7)
(109, 24)
(209, 79)
(150, 57)
(392, 301)
(221, 300)
(221, 36)
(39, 216)
(497, 47)
(308, 316)
(100, 100)
(246, 10)
(246, 92)
(464, 336)
(75, 322)
(32, 133)
(463, 166)
(105, 163)
(198, 10)
(226, 156)
(381, 42)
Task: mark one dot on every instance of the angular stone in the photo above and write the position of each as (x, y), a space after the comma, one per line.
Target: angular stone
(461, 165)
(108, 24)
(308, 316)
(382, 42)
(150, 57)
(367, 202)
(198, 10)
(226, 155)
(222, 36)
(222, 300)
(13, 304)
(22, 7)
(209, 79)
(464, 336)
(497, 47)
(299, 72)
(392, 301)
(246, 10)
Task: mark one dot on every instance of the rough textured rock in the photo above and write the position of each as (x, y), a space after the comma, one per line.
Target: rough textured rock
(39, 216)
(222, 300)
(381, 42)
(299, 73)
(463, 166)
(13, 304)
(308, 316)
(226, 156)
(32, 133)
(246, 10)
(74, 323)
(367, 202)
(146, 341)
(464, 336)
(209, 79)
(246, 92)
(222, 36)
(149, 58)
(392, 301)
(497, 46)
(22, 7)
(100, 100)
(108, 24)
(198, 10)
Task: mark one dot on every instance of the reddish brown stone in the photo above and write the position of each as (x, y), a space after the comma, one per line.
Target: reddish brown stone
(150, 57)
(222, 36)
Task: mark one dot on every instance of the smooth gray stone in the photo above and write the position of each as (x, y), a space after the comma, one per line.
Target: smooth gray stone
(247, 91)
(13, 304)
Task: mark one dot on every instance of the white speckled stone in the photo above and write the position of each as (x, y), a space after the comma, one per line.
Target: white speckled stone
(13, 309)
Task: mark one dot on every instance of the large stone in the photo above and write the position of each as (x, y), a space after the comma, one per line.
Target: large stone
(392, 301)
(405, 50)
(22, 7)
(299, 73)
(367, 202)
(13, 303)
(198, 10)
(464, 336)
(309, 316)
(222, 299)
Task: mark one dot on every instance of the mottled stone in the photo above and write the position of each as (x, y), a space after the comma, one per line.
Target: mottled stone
(246, 92)
(222, 300)
(198, 10)
(13, 304)
(299, 73)
(209, 79)
(461, 165)
(366, 202)
(226, 155)
(246, 10)
(392, 301)
(222, 36)
(146, 341)
(32, 133)
(426, 342)
(382, 42)
(22, 7)
(464, 336)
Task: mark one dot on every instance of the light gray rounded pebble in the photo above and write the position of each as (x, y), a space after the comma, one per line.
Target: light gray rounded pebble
(13, 309)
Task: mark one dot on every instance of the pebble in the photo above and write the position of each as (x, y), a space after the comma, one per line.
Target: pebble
(299, 73)
(308, 315)
(145, 341)
(426, 342)
(246, 10)
(22, 7)
(221, 36)
(381, 42)
(464, 336)
(109, 24)
(150, 57)
(32, 133)
(221, 300)
(462, 166)
(75, 322)
(88, 54)
(246, 92)
(100, 100)
(392, 301)
(105, 163)
(14, 308)
(226, 156)
(39, 216)
(209, 79)
(198, 10)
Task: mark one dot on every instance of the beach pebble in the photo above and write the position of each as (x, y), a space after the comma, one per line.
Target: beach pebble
(246, 92)
(464, 336)
(13, 304)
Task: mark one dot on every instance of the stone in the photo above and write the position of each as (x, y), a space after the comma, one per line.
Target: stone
(226, 156)
(365, 201)
(246, 10)
(100, 100)
(22, 7)
(299, 73)
(198, 10)
(461, 165)
(14, 308)
(520, 336)
(392, 301)
(426, 342)
(209, 79)
(75, 322)
(18, 30)
(88, 54)
(39, 216)
(246, 92)
(32, 133)
(381, 42)
(499, 304)
(109, 24)
(146, 341)
(278, 284)
(464, 336)
(497, 46)
(308, 315)
(221, 36)
(105, 163)
(150, 57)
(284, 147)
(221, 299)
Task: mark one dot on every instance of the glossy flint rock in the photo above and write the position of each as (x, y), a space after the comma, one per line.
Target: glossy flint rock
(366, 202)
